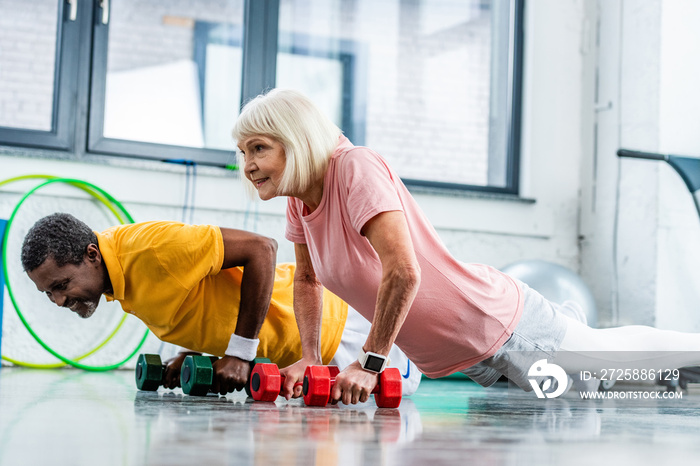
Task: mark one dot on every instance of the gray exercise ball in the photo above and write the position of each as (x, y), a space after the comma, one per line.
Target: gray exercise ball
(556, 283)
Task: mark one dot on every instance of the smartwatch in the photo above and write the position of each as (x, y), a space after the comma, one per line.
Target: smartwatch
(373, 362)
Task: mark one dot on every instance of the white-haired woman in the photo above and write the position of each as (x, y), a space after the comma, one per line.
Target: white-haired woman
(358, 232)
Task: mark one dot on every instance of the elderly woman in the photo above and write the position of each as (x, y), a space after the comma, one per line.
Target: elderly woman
(359, 232)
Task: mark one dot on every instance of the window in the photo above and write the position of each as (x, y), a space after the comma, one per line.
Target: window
(162, 86)
(37, 72)
(432, 85)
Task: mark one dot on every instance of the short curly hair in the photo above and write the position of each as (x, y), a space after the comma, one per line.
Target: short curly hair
(59, 235)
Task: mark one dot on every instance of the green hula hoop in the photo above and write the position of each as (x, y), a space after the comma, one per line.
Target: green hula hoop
(10, 291)
(78, 184)
(121, 219)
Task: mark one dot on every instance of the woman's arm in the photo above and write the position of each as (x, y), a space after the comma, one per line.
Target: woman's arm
(388, 234)
(308, 304)
(308, 310)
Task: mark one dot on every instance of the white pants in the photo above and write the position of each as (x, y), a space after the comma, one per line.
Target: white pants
(628, 347)
(354, 336)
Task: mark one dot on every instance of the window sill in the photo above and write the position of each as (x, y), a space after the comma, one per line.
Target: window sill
(133, 163)
(469, 194)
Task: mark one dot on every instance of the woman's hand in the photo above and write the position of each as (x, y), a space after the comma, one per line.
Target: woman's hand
(294, 377)
(354, 385)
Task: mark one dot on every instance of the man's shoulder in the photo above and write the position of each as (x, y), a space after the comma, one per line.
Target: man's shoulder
(155, 228)
(153, 234)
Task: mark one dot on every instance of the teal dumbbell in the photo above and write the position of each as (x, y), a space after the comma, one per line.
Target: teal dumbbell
(149, 372)
(197, 374)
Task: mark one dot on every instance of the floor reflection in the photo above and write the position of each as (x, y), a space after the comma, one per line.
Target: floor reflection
(285, 432)
(73, 417)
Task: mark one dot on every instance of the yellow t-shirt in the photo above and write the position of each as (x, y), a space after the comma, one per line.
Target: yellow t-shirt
(169, 275)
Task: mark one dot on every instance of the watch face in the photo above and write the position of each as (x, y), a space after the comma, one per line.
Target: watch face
(373, 363)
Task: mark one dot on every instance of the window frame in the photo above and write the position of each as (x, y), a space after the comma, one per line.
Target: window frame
(80, 80)
(255, 13)
(514, 118)
(65, 86)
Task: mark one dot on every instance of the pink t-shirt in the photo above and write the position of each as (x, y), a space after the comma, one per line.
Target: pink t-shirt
(462, 314)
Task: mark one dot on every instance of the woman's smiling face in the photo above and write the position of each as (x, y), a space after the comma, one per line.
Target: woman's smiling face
(265, 160)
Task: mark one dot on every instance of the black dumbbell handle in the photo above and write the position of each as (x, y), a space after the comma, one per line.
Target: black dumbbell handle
(635, 154)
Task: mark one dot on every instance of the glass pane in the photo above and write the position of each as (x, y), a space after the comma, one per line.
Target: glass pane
(410, 79)
(27, 63)
(174, 72)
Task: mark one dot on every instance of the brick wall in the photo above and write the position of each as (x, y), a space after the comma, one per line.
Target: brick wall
(427, 73)
(427, 79)
(27, 56)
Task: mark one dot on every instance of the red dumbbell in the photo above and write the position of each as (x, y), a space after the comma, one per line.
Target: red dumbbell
(266, 382)
(319, 381)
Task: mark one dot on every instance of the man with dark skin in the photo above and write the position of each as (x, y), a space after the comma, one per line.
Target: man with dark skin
(79, 287)
(205, 288)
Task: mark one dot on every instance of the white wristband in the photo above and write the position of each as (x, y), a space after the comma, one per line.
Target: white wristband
(242, 348)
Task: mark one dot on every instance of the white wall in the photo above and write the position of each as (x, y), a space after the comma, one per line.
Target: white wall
(557, 146)
(638, 221)
(619, 203)
(679, 114)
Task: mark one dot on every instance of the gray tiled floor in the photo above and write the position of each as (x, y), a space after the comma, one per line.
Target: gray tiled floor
(79, 418)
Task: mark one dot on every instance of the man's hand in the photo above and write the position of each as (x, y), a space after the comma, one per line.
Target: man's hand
(171, 378)
(294, 376)
(230, 373)
(353, 385)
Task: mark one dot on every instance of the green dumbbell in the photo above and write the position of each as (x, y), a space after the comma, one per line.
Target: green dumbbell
(149, 372)
(197, 374)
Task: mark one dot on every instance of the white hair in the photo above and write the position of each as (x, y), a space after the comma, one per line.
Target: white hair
(308, 136)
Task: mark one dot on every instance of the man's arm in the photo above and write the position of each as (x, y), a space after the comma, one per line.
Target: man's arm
(308, 310)
(388, 234)
(258, 256)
